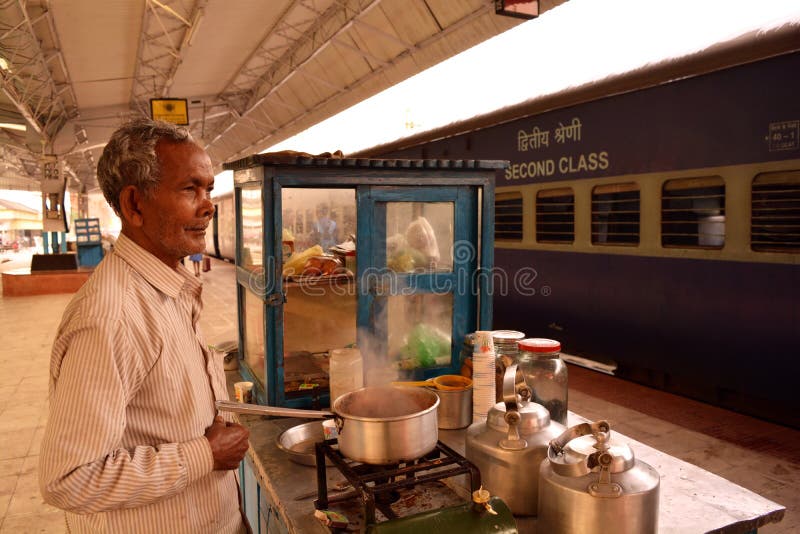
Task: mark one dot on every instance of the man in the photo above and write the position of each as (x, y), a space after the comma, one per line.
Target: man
(324, 231)
(133, 442)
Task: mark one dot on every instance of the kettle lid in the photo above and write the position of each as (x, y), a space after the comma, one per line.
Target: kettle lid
(527, 417)
(582, 448)
(533, 417)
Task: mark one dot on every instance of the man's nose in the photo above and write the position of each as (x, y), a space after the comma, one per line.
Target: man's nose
(207, 209)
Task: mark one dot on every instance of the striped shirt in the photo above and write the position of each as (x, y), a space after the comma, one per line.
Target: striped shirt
(132, 391)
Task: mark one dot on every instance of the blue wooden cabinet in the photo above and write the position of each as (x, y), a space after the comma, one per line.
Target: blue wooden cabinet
(261, 512)
(422, 233)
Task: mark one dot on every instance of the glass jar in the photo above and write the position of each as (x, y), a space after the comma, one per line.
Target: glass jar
(346, 372)
(507, 352)
(546, 374)
(465, 356)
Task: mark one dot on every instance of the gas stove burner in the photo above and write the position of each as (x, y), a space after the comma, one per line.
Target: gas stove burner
(378, 486)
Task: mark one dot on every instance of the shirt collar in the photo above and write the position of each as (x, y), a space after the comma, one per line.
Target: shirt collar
(169, 281)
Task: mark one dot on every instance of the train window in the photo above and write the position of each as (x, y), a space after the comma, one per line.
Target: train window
(775, 223)
(252, 224)
(555, 215)
(615, 214)
(508, 216)
(693, 213)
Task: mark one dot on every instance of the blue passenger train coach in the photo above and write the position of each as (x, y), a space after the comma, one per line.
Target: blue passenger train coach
(651, 221)
(656, 229)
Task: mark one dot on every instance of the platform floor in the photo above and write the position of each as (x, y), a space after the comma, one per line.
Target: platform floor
(762, 457)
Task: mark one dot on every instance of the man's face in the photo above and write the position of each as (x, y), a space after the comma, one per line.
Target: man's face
(177, 211)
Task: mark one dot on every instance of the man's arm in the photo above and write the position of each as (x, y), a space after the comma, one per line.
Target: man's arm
(82, 467)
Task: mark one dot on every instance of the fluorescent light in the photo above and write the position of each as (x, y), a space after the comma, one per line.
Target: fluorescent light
(12, 126)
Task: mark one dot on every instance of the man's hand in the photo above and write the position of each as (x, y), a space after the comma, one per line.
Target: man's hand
(228, 443)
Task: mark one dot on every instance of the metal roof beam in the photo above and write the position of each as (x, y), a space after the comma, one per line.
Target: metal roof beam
(258, 80)
(161, 46)
(467, 19)
(29, 81)
(338, 41)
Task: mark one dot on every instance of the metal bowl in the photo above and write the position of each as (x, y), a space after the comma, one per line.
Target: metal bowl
(298, 442)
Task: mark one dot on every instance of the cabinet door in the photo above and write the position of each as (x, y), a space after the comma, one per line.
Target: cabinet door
(417, 255)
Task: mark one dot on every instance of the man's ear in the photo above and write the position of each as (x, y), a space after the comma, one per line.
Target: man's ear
(130, 204)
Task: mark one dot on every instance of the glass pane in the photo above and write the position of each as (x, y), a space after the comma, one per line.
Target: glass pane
(251, 252)
(419, 236)
(615, 214)
(319, 315)
(254, 334)
(419, 330)
(555, 215)
(317, 217)
(508, 216)
(693, 213)
(775, 200)
(319, 227)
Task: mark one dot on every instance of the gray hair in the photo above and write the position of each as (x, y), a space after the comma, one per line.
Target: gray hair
(129, 158)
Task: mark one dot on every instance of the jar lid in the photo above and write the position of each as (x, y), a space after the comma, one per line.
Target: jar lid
(507, 335)
(539, 344)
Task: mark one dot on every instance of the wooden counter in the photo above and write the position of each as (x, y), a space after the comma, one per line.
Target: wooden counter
(22, 282)
(691, 499)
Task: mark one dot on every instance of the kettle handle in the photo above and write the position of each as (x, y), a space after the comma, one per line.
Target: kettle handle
(556, 446)
(513, 442)
(511, 393)
(510, 387)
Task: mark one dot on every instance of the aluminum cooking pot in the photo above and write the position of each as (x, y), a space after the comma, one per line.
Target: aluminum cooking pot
(377, 424)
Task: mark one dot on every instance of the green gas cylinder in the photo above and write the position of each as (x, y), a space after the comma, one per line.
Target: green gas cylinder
(467, 518)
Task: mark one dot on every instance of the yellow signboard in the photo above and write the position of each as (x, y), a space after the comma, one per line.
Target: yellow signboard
(174, 110)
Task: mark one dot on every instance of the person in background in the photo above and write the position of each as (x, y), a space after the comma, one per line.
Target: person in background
(133, 442)
(324, 231)
(196, 259)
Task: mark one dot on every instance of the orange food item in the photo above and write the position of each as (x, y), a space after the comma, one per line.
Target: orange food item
(321, 265)
(466, 368)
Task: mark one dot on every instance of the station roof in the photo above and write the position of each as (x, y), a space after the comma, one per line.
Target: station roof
(253, 72)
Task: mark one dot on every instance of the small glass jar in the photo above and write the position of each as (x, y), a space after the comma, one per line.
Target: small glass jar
(546, 374)
(467, 347)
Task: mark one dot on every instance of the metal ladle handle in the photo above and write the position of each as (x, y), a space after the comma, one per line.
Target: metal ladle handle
(257, 409)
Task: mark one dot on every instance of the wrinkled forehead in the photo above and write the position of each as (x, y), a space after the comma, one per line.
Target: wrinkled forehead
(183, 160)
(171, 153)
(166, 147)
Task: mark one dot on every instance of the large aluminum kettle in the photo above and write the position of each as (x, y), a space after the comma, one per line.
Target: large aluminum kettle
(590, 483)
(509, 447)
